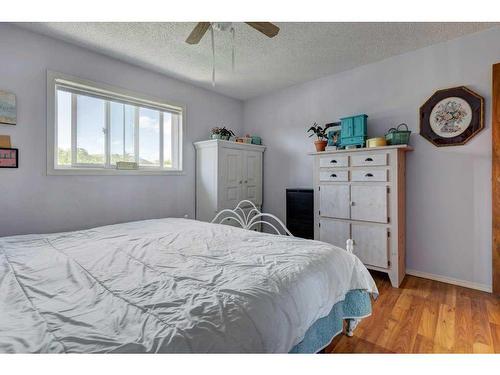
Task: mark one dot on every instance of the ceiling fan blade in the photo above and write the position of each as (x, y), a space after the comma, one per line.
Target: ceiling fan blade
(266, 28)
(199, 30)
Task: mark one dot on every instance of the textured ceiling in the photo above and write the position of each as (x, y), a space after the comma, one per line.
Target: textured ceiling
(300, 52)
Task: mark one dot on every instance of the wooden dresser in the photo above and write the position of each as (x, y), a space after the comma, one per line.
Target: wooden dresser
(360, 194)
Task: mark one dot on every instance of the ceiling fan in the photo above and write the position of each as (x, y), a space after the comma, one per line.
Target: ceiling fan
(267, 28)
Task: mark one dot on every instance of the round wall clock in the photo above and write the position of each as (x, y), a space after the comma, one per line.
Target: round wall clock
(452, 116)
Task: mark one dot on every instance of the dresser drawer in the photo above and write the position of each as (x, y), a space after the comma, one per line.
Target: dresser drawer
(362, 160)
(379, 175)
(333, 175)
(333, 161)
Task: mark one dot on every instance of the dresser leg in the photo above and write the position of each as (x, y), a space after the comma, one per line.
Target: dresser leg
(394, 278)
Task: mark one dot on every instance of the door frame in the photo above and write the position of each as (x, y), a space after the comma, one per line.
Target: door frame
(495, 178)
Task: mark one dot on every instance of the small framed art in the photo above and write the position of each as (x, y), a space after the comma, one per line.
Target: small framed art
(7, 108)
(452, 116)
(9, 158)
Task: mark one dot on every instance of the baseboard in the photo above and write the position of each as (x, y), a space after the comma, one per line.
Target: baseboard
(450, 280)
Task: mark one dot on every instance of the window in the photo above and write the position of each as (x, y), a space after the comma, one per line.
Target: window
(92, 127)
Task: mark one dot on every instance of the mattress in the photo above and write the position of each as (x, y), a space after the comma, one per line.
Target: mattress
(168, 286)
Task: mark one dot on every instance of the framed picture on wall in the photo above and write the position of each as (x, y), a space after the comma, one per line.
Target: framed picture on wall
(8, 112)
(9, 158)
(452, 116)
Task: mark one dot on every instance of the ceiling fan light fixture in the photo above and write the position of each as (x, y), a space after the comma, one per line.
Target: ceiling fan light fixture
(267, 28)
(222, 26)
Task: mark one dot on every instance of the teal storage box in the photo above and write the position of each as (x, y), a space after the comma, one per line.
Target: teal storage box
(353, 130)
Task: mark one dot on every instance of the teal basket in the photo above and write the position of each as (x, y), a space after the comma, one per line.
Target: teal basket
(395, 136)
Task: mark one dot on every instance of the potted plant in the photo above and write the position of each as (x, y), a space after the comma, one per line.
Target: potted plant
(320, 133)
(222, 133)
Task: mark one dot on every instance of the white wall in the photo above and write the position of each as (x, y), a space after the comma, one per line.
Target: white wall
(31, 201)
(448, 189)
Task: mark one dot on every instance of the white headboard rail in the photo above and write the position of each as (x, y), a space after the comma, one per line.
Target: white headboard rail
(251, 218)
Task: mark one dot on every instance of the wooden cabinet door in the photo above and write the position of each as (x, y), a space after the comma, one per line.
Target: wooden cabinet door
(334, 232)
(347, 127)
(334, 201)
(359, 127)
(371, 244)
(369, 203)
(252, 176)
(231, 178)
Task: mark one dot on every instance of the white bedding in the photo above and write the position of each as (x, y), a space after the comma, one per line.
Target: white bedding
(168, 285)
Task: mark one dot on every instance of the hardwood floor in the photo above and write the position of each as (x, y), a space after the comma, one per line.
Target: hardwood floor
(425, 316)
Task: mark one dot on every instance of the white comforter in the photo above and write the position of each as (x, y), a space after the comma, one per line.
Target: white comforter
(169, 285)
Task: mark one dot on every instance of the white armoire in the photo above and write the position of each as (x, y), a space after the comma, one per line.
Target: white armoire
(360, 194)
(226, 173)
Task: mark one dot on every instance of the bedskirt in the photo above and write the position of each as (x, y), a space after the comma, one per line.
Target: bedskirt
(356, 305)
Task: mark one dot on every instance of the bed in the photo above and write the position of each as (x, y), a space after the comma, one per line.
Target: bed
(176, 286)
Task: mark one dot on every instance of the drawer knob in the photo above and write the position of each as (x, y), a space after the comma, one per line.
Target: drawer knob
(368, 175)
(333, 161)
(352, 203)
(333, 175)
(368, 159)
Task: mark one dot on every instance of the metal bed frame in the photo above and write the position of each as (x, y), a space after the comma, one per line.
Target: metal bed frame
(253, 217)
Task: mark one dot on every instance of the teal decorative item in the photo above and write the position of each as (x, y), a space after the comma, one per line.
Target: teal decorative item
(256, 140)
(353, 131)
(333, 134)
(396, 136)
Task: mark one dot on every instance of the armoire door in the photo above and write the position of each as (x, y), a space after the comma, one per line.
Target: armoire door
(334, 201)
(231, 177)
(252, 176)
(369, 203)
(371, 244)
(334, 232)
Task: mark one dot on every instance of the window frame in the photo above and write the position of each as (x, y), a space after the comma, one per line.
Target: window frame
(103, 91)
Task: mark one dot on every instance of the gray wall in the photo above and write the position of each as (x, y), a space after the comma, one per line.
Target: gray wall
(31, 201)
(448, 189)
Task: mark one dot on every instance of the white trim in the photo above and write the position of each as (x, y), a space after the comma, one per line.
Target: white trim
(162, 132)
(102, 91)
(136, 134)
(51, 119)
(450, 280)
(107, 134)
(74, 130)
(114, 172)
(363, 149)
(228, 144)
(54, 79)
(178, 134)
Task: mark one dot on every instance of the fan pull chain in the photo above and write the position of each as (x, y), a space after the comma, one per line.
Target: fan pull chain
(232, 54)
(213, 55)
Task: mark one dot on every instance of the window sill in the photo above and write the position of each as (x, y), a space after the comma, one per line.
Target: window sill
(112, 172)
